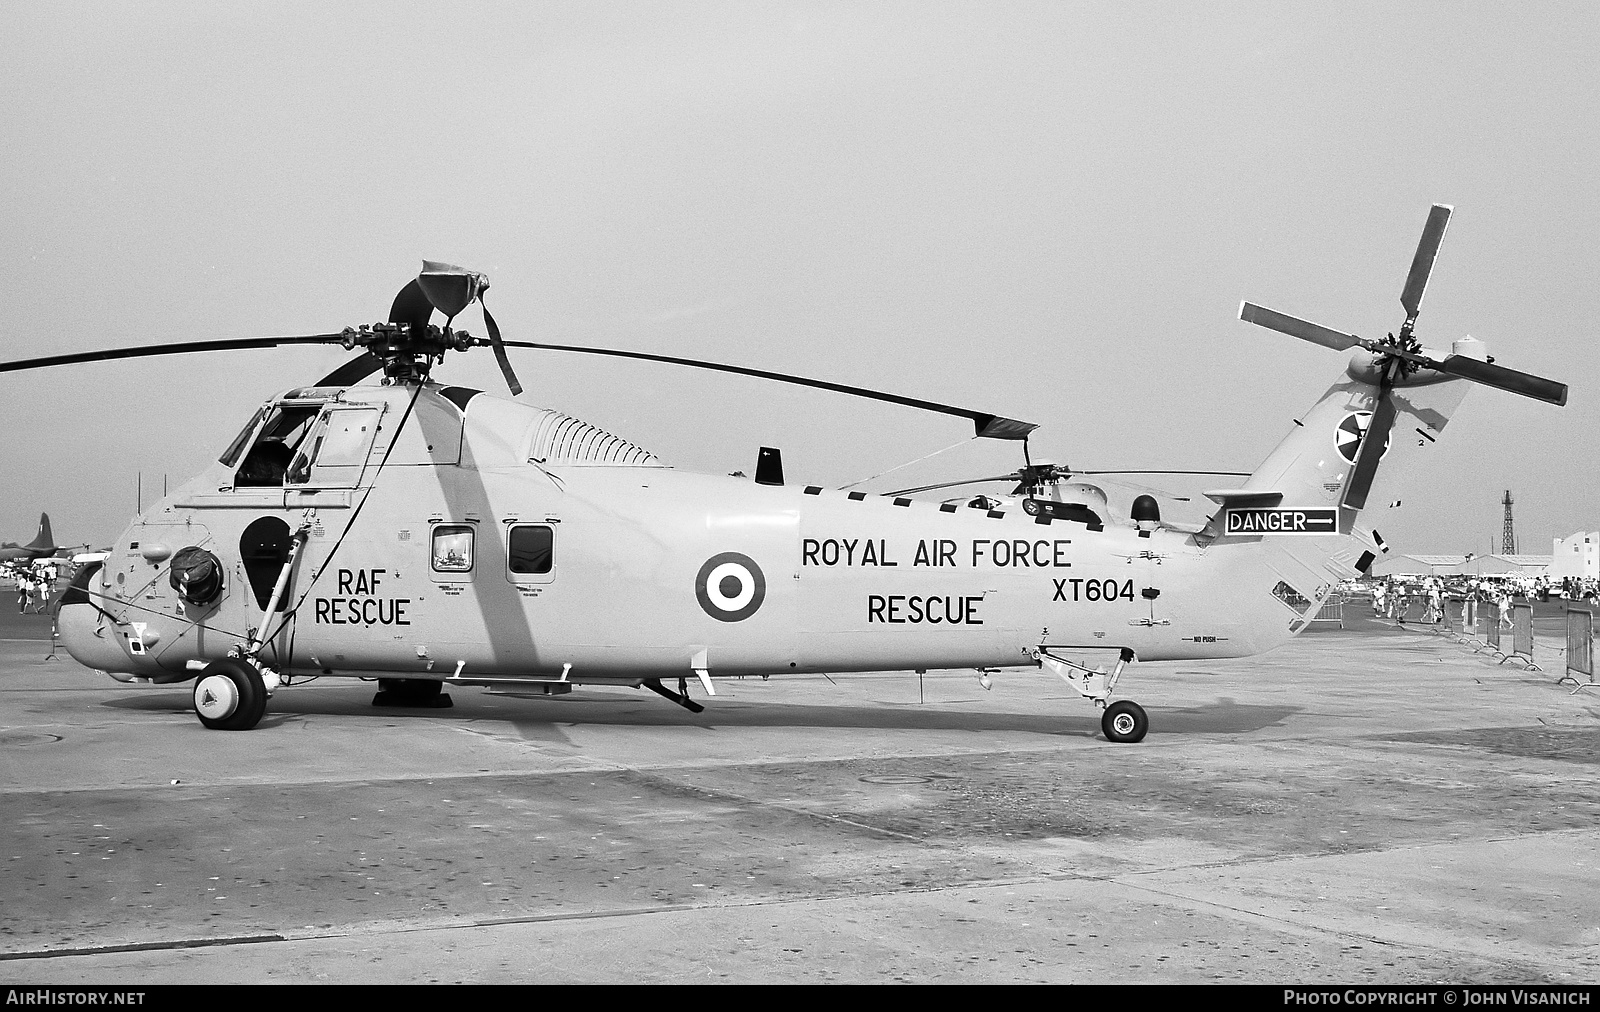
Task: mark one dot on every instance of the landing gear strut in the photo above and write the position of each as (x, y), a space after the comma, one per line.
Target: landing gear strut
(681, 697)
(231, 694)
(1122, 721)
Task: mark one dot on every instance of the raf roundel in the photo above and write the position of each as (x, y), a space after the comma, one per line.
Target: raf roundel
(1347, 437)
(730, 587)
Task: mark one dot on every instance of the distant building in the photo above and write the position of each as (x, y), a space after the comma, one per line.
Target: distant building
(1464, 565)
(1577, 556)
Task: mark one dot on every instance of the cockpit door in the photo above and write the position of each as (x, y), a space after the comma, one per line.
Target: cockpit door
(335, 454)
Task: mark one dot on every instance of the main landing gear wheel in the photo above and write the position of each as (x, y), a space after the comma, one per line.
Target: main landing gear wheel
(230, 696)
(1124, 721)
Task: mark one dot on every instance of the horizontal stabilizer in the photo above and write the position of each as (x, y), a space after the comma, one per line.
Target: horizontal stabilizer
(1241, 496)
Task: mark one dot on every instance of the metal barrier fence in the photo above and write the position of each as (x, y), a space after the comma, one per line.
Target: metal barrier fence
(1522, 636)
(1488, 618)
(1580, 647)
(1332, 610)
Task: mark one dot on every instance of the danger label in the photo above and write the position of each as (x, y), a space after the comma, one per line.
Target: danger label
(1283, 521)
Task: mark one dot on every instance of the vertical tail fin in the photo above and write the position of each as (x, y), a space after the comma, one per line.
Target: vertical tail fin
(44, 539)
(1292, 519)
(1300, 489)
(1314, 464)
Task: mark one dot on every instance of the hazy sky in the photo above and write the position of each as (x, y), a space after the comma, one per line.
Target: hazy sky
(1049, 211)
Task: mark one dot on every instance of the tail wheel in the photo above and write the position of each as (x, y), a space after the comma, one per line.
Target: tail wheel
(1124, 721)
(230, 696)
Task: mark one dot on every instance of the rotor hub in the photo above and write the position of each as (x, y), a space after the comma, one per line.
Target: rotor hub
(1398, 355)
(408, 354)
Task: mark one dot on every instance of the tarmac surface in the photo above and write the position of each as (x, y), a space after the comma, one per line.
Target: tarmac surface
(1377, 805)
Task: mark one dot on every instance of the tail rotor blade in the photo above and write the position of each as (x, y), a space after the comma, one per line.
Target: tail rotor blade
(1422, 263)
(1261, 316)
(1502, 378)
(1373, 444)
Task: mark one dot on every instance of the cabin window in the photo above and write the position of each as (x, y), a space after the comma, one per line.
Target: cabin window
(532, 549)
(1296, 601)
(452, 548)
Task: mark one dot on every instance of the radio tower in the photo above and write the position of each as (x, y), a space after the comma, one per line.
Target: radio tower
(1508, 533)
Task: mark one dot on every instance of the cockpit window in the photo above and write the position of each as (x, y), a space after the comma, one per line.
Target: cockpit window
(337, 448)
(231, 454)
(268, 460)
(264, 466)
(347, 437)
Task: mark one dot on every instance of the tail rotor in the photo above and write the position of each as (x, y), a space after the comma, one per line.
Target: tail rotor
(1399, 358)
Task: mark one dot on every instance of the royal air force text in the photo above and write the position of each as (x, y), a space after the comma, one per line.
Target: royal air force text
(980, 553)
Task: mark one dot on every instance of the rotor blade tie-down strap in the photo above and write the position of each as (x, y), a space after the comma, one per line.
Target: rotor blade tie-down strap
(499, 348)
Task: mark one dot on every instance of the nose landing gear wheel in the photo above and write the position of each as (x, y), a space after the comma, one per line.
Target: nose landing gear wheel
(230, 696)
(1124, 721)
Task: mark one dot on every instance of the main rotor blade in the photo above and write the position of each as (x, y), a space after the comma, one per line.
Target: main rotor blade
(1422, 263)
(1502, 378)
(449, 288)
(1159, 493)
(952, 484)
(1261, 316)
(984, 424)
(1230, 474)
(152, 350)
(353, 371)
(1016, 475)
(1373, 443)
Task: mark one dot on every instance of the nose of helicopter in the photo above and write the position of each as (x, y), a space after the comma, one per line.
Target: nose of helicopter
(89, 641)
(80, 629)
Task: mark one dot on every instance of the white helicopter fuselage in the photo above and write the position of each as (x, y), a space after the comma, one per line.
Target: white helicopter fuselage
(495, 541)
(420, 534)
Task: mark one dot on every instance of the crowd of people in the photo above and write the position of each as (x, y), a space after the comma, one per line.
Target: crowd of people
(1405, 599)
(35, 583)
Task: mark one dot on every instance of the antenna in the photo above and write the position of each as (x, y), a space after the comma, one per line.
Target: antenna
(1508, 531)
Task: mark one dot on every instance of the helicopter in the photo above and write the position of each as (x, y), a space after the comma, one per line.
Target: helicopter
(424, 535)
